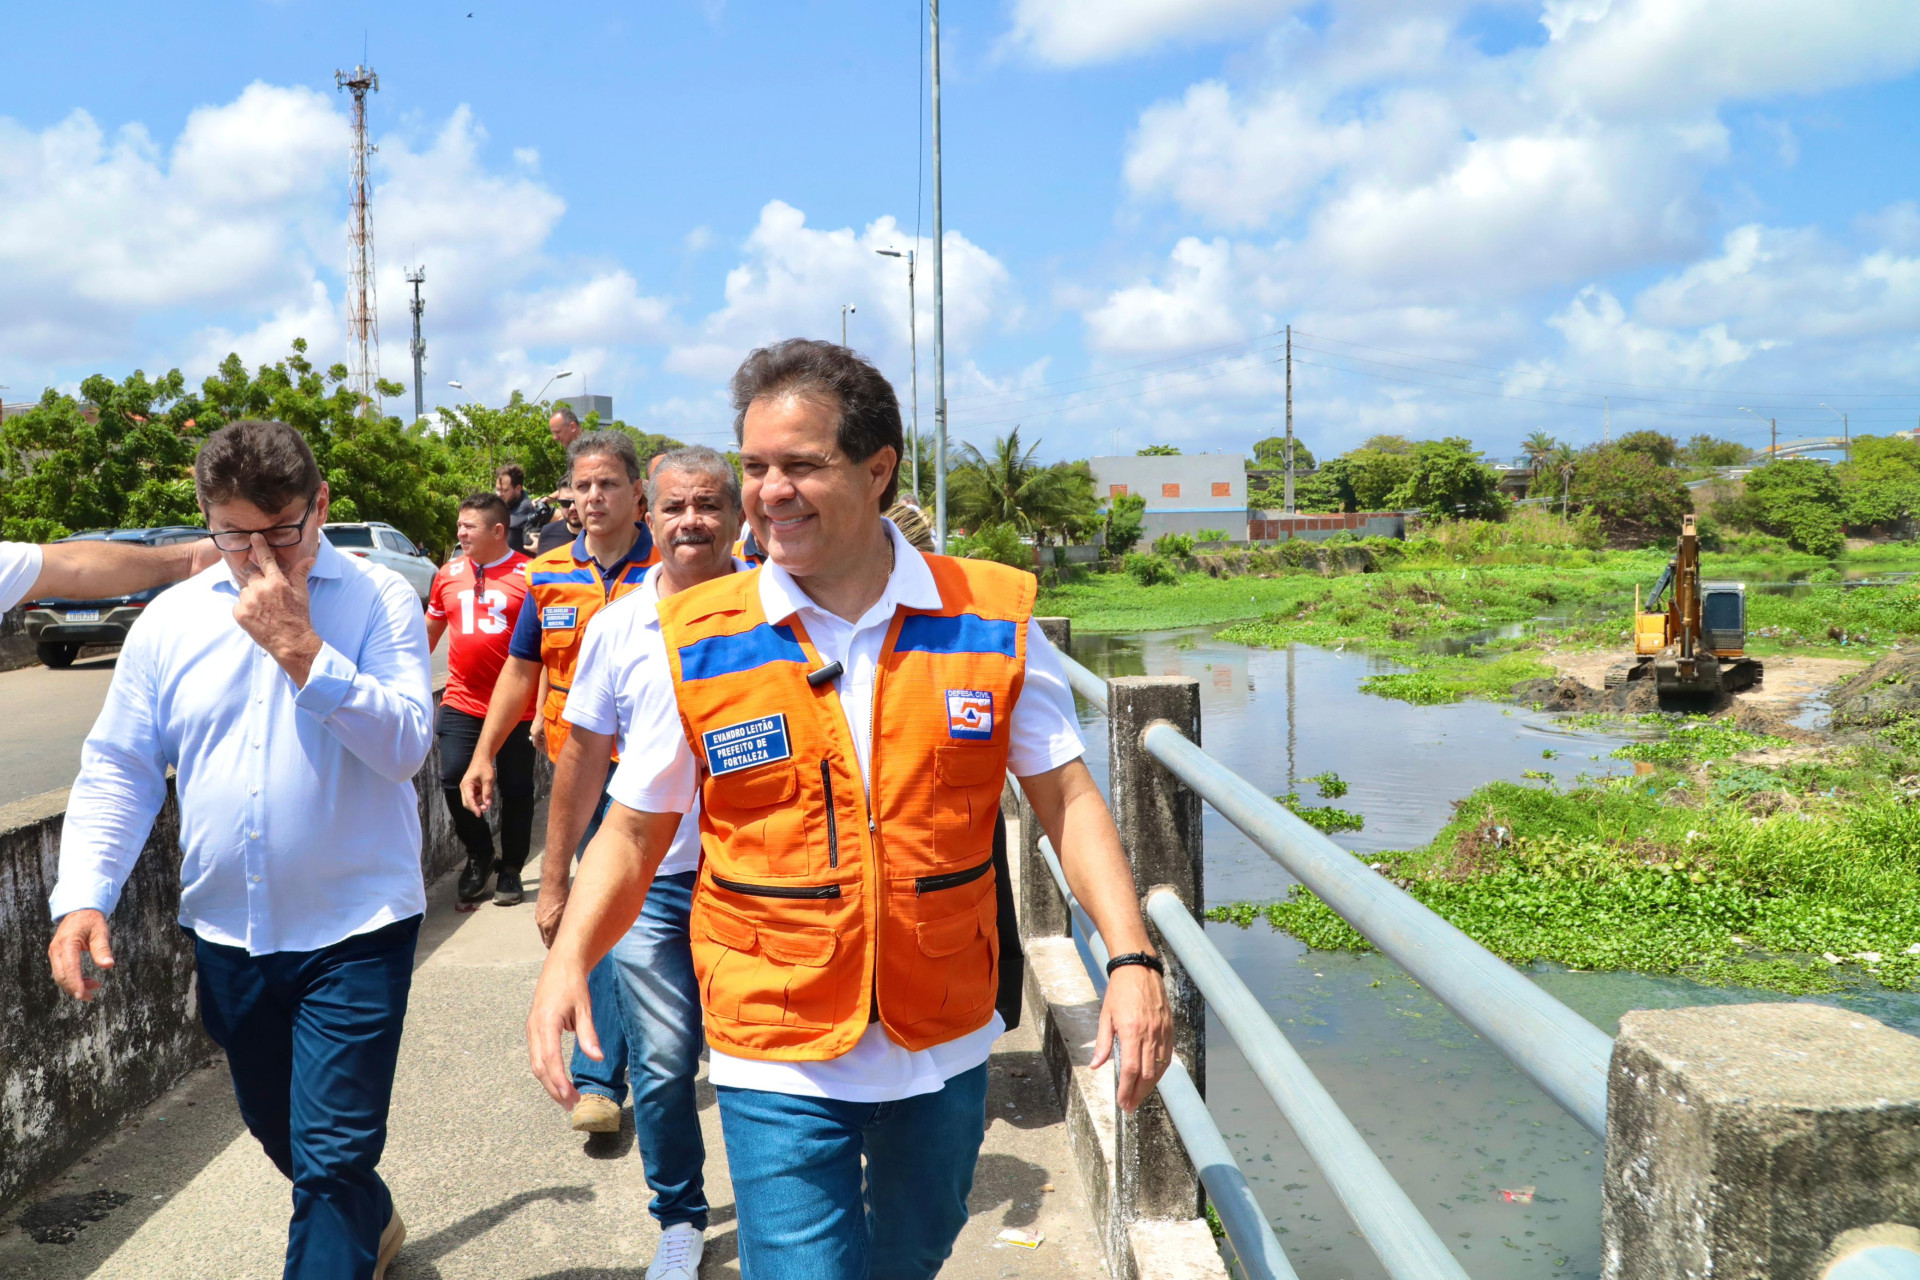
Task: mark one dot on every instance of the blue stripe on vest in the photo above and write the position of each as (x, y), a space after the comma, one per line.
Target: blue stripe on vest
(727, 655)
(960, 633)
(584, 576)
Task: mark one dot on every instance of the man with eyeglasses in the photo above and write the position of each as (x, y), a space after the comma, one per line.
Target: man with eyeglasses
(290, 692)
(565, 525)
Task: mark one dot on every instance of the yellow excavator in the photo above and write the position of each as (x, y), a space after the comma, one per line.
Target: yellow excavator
(1696, 646)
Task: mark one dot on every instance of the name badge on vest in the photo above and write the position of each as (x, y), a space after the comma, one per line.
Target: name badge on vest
(558, 617)
(744, 745)
(970, 714)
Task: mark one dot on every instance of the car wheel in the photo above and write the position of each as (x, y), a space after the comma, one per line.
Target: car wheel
(57, 655)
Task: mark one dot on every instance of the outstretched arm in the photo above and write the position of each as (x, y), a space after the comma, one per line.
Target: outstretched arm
(99, 570)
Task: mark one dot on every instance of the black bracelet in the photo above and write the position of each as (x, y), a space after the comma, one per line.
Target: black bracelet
(1142, 958)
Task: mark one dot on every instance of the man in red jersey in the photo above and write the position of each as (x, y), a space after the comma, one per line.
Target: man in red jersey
(479, 594)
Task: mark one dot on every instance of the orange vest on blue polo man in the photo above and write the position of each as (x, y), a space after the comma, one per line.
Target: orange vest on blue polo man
(565, 589)
(815, 907)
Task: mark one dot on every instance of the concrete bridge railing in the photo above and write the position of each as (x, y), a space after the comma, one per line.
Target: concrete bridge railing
(1766, 1141)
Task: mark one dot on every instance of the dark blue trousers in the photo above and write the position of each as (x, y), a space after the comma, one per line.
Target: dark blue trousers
(311, 1039)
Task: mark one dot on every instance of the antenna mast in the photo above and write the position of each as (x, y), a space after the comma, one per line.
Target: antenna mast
(416, 276)
(363, 306)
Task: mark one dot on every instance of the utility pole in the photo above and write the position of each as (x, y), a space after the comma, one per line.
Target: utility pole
(416, 276)
(1289, 494)
(939, 313)
(913, 349)
(363, 305)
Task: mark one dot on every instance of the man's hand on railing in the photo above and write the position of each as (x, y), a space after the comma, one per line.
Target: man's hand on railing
(1135, 1015)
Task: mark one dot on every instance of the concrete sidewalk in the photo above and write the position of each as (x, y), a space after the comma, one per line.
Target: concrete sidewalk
(491, 1182)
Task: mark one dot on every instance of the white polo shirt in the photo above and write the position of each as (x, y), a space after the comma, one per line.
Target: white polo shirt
(659, 774)
(19, 570)
(606, 685)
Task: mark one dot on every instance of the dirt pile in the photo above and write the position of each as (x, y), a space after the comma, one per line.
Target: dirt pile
(1887, 691)
(1564, 693)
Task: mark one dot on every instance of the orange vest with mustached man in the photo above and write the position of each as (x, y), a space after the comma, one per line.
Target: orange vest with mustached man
(565, 589)
(819, 909)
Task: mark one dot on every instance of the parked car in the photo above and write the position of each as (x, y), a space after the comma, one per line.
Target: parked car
(385, 545)
(59, 628)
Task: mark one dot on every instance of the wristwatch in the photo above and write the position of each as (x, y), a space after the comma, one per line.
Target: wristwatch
(1142, 958)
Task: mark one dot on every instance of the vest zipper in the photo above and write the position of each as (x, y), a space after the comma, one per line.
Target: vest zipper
(779, 890)
(951, 879)
(833, 823)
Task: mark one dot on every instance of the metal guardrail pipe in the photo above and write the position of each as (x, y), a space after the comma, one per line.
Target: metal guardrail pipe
(1393, 1228)
(1877, 1262)
(1084, 682)
(1249, 1233)
(1552, 1045)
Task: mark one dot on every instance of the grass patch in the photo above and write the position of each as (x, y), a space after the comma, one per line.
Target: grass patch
(1698, 742)
(1449, 678)
(1803, 878)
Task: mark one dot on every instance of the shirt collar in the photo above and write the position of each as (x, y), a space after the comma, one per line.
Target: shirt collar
(327, 562)
(641, 548)
(909, 586)
(649, 589)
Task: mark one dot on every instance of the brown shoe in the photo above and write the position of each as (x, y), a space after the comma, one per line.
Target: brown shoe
(596, 1113)
(390, 1241)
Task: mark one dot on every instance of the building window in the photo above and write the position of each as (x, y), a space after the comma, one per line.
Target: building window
(1223, 488)
(1116, 491)
(1169, 490)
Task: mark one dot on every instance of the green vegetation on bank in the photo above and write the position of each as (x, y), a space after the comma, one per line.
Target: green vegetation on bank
(1802, 877)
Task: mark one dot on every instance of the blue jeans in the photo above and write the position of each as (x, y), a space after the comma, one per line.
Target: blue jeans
(311, 1039)
(607, 1077)
(807, 1211)
(662, 1011)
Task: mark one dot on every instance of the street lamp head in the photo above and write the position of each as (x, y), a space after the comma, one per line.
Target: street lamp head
(888, 253)
(457, 386)
(564, 373)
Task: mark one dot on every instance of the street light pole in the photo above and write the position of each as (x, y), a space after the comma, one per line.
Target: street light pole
(846, 308)
(1846, 436)
(564, 373)
(913, 349)
(939, 313)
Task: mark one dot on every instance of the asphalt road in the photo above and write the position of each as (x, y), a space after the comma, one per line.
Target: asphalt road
(48, 714)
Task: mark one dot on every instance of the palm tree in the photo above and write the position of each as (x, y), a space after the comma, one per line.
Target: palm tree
(1562, 460)
(1538, 447)
(1006, 486)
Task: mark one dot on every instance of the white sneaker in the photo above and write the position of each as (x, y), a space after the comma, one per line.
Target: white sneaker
(678, 1257)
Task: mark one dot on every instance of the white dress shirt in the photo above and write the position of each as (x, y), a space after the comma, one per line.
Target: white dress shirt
(659, 775)
(19, 570)
(606, 688)
(299, 822)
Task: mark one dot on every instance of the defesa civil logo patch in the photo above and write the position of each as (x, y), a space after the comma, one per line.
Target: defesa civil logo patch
(970, 714)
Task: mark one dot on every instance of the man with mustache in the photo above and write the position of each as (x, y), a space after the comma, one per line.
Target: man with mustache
(693, 511)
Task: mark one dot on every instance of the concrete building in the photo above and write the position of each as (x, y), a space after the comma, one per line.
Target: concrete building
(584, 405)
(1185, 493)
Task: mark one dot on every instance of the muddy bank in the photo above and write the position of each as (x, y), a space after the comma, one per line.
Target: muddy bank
(1887, 691)
(1790, 686)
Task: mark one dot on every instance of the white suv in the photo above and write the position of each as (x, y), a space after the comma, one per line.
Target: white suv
(385, 545)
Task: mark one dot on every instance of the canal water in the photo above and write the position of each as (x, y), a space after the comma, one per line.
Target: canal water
(1507, 1179)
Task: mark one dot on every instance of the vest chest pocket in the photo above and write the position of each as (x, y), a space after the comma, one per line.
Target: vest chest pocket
(769, 972)
(966, 800)
(767, 828)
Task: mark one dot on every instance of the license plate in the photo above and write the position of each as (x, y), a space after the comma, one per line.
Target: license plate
(83, 615)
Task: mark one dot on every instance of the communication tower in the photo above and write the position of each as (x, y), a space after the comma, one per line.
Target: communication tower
(416, 276)
(363, 306)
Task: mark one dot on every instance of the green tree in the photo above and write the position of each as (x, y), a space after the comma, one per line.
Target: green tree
(1371, 476)
(1388, 444)
(1158, 451)
(1658, 445)
(1538, 447)
(1325, 490)
(123, 457)
(1711, 451)
(1799, 500)
(997, 542)
(1271, 452)
(1446, 478)
(1006, 486)
(1881, 483)
(1636, 499)
(1126, 521)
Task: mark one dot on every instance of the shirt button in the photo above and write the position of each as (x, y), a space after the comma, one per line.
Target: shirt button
(253, 791)
(256, 879)
(253, 835)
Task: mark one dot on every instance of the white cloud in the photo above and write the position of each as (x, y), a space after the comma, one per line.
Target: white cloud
(1194, 307)
(1076, 32)
(608, 308)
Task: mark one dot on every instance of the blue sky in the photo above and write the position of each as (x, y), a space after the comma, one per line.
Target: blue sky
(1483, 218)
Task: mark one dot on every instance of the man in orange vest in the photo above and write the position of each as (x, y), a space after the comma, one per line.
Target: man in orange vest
(565, 588)
(847, 715)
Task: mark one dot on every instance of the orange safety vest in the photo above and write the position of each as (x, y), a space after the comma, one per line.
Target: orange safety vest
(568, 591)
(749, 551)
(817, 911)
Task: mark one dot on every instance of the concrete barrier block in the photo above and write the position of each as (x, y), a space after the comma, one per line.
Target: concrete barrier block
(1742, 1140)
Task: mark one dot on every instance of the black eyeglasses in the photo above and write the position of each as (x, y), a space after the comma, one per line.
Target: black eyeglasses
(564, 502)
(280, 535)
